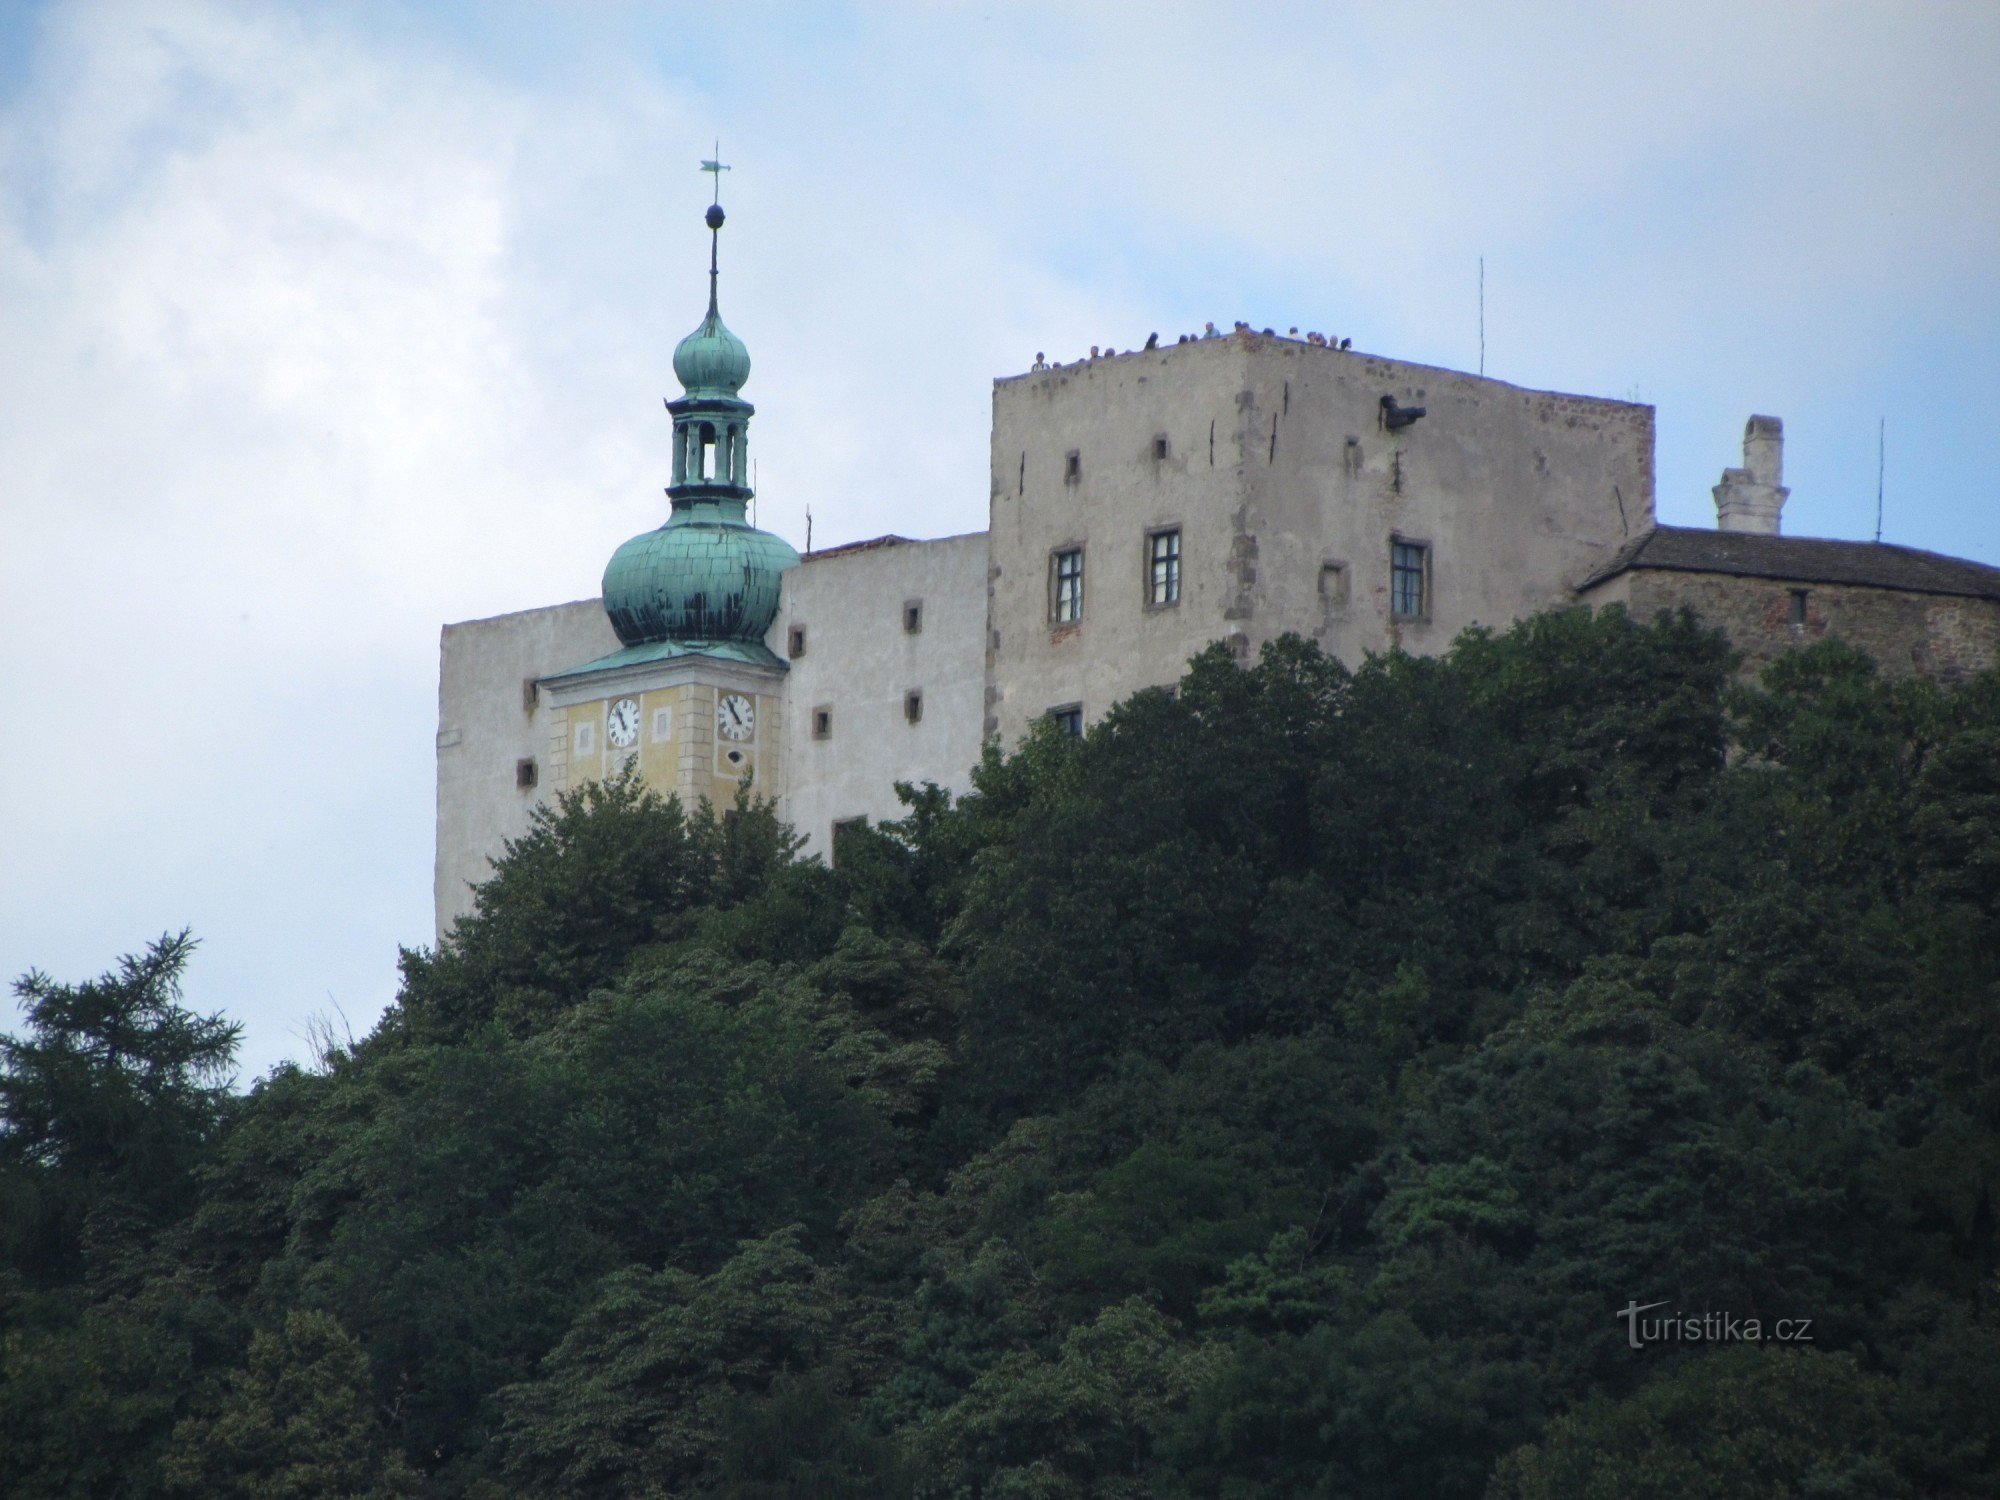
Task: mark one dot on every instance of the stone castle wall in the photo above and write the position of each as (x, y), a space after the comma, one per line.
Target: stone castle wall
(1275, 461)
(1943, 637)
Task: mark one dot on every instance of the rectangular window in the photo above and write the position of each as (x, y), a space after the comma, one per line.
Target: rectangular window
(913, 704)
(795, 642)
(1066, 586)
(1072, 467)
(663, 724)
(913, 616)
(525, 774)
(530, 693)
(1163, 567)
(823, 722)
(1799, 598)
(844, 829)
(1069, 719)
(1333, 587)
(1409, 582)
(1160, 446)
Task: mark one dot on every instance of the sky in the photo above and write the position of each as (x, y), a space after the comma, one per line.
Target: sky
(323, 324)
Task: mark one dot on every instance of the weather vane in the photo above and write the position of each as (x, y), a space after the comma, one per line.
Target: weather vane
(715, 168)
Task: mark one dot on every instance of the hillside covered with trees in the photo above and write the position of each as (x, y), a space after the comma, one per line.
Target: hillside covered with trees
(1278, 1092)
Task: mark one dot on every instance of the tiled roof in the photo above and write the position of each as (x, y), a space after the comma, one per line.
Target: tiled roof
(1801, 559)
(751, 653)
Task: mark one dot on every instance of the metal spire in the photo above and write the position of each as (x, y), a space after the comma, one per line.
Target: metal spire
(715, 167)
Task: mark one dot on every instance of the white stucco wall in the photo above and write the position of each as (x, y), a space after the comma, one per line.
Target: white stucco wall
(1519, 494)
(486, 726)
(859, 662)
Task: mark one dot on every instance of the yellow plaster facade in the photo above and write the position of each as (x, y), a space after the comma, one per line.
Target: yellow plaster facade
(680, 750)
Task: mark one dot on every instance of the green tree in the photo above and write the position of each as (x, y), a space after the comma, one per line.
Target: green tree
(609, 868)
(105, 1105)
(637, 1396)
(1743, 1424)
(297, 1423)
(1082, 1424)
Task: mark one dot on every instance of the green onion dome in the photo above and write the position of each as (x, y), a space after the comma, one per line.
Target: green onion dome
(711, 361)
(707, 575)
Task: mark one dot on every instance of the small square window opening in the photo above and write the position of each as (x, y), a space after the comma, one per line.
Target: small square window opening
(525, 773)
(1408, 582)
(1069, 719)
(1066, 586)
(1163, 567)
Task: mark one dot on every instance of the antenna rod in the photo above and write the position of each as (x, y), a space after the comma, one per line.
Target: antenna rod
(1482, 315)
(1881, 463)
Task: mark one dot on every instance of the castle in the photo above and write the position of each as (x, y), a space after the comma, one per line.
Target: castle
(1143, 506)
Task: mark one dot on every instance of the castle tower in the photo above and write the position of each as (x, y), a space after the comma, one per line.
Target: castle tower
(693, 699)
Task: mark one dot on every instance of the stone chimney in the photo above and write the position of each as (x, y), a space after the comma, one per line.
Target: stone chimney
(1752, 497)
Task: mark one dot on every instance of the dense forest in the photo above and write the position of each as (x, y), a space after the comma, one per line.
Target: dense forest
(1283, 1090)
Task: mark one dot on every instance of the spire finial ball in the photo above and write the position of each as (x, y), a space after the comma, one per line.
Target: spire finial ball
(715, 216)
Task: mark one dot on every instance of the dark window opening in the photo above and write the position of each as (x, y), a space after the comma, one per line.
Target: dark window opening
(1160, 446)
(526, 774)
(1069, 719)
(913, 705)
(823, 723)
(1408, 581)
(795, 642)
(913, 616)
(1072, 467)
(1333, 587)
(1799, 598)
(1163, 567)
(530, 692)
(844, 829)
(1066, 586)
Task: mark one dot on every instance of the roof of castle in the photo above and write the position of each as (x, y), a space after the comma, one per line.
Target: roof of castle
(868, 546)
(1801, 559)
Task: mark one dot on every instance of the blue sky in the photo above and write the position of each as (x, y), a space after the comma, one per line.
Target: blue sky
(323, 324)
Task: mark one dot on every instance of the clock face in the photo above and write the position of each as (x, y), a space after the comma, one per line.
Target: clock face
(735, 717)
(622, 728)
